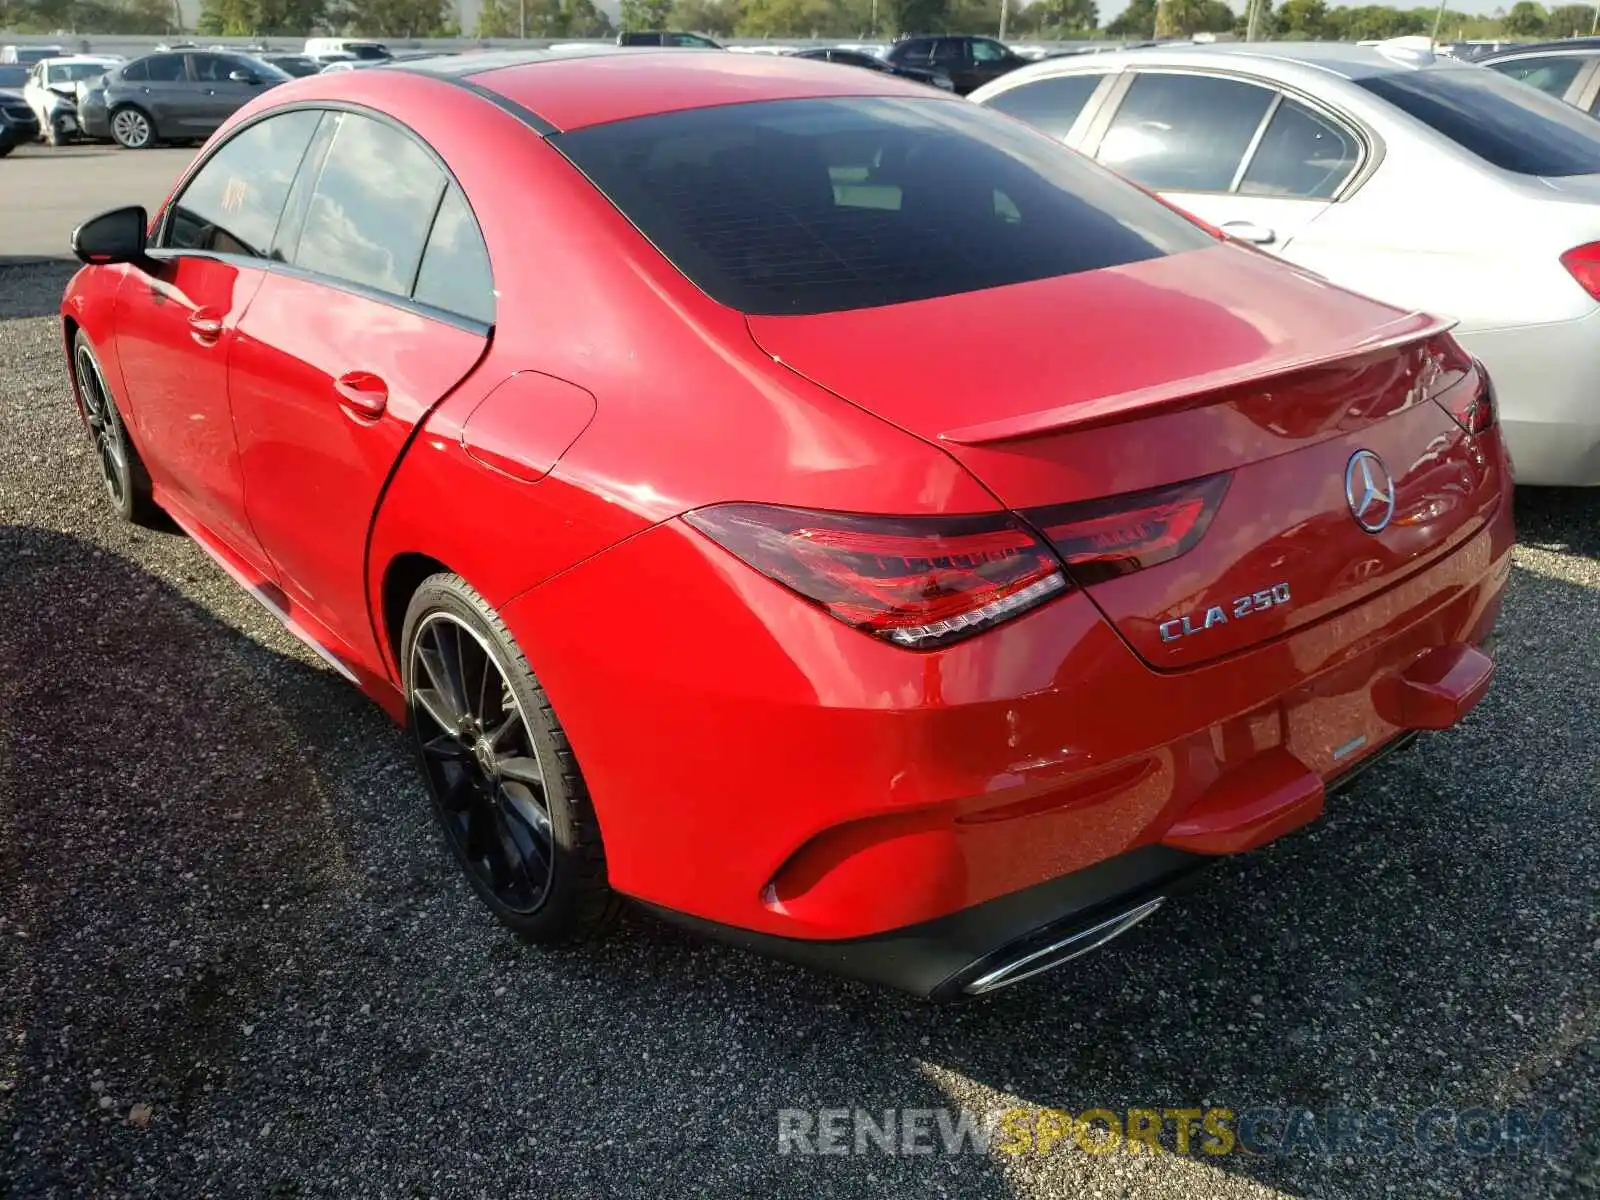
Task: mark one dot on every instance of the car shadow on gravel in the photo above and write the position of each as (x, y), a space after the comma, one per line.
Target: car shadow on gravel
(236, 959)
(31, 287)
(223, 899)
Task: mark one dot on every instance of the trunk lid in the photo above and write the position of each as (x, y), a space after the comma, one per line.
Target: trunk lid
(1219, 362)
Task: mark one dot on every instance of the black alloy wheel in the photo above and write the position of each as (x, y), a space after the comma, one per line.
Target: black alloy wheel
(504, 784)
(122, 472)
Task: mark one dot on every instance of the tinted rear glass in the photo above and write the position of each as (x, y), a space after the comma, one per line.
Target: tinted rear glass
(1507, 124)
(808, 206)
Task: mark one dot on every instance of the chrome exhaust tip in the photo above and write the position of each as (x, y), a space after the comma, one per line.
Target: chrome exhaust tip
(1063, 950)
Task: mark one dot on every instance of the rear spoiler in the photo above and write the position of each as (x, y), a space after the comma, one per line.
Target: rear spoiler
(1192, 391)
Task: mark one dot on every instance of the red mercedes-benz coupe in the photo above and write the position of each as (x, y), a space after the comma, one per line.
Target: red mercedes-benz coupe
(825, 511)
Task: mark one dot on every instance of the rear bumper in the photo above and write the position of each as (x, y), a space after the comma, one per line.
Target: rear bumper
(1545, 379)
(759, 767)
(979, 950)
(94, 121)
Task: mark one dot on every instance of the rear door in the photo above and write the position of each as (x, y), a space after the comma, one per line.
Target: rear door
(1257, 163)
(386, 307)
(164, 90)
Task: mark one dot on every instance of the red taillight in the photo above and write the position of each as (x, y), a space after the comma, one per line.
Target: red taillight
(1469, 399)
(1101, 539)
(915, 581)
(1583, 264)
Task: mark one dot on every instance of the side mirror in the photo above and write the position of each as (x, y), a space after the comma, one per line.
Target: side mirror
(117, 236)
(242, 77)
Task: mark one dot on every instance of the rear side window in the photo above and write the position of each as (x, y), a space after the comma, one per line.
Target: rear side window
(371, 208)
(233, 203)
(1503, 122)
(808, 206)
(1552, 74)
(916, 50)
(1184, 133)
(165, 68)
(455, 272)
(1302, 153)
(1049, 104)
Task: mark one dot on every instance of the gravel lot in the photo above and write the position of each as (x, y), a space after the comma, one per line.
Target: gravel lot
(221, 897)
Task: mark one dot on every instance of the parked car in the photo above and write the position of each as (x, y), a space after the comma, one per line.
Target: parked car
(13, 77)
(355, 47)
(18, 125)
(1568, 70)
(172, 97)
(937, 664)
(969, 62)
(660, 37)
(869, 62)
(52, 92)
(295, 65)
(1430, 183)
(28, 55)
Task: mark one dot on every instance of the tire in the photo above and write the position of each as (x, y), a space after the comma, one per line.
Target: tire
(132, 128)
(480, 754)
(122, 471)
(5, 150)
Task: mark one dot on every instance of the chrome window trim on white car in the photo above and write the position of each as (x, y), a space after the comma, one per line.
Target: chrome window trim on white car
(1094, 121)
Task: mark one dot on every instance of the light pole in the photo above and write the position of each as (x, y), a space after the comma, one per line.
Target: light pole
(1005, 11)
(522, 19)
(1437, 18)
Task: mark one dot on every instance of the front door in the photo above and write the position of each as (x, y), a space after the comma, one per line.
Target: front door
(175, 330)
(325, 407)
(178, 320)
(217, 96)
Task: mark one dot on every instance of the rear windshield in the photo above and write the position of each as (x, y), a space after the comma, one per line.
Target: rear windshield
(811, 206)
(1504, 122)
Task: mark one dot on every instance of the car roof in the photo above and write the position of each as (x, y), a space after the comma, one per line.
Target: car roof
(1333, 58)
(1571, 45)
(572, 88)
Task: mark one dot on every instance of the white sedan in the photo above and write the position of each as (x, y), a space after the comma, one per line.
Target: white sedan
(52, 91)
(1430, 183)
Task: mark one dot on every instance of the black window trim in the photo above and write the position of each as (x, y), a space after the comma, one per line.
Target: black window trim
(276, 266)
(1369, 145)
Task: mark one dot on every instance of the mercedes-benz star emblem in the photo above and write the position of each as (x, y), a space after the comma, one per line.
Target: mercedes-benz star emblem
(1369, 491)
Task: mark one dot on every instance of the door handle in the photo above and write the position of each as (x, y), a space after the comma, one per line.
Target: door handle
(362, 394)
(1249, 231)
(205, 326)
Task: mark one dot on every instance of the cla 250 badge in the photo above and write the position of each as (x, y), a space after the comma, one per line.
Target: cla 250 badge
(1243, 606)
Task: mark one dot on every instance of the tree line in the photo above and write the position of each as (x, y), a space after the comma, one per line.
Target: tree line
(854, 19)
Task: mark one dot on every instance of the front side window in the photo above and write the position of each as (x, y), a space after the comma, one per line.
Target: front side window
(1552, 74)
(233, 203)
(809, 206)
(136, 72)
(1302, 153)
(1506, 124)
(1051, 105)
(1183, 133)
(371, 207)
(985, 51)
